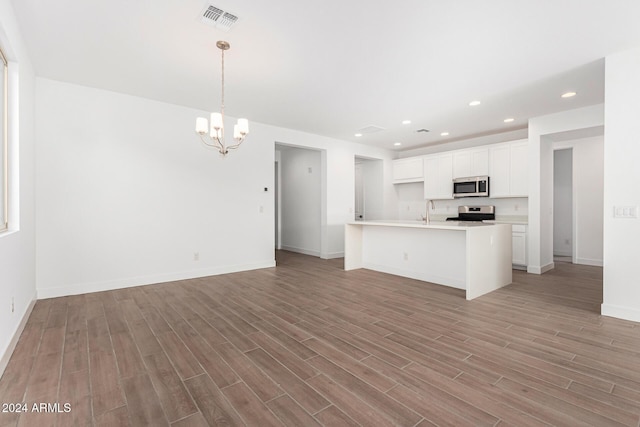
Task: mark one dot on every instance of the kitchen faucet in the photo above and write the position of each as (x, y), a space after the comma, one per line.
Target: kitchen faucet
(425, 218)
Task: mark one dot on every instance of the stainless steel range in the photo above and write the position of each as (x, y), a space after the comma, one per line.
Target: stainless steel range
(474, 213)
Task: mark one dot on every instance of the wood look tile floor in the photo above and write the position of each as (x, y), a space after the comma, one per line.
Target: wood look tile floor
(307, 343)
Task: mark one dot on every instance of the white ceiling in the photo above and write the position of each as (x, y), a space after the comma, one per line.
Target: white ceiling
(332, 67)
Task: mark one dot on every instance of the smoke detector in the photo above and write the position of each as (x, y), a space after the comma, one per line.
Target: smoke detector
(216, 17)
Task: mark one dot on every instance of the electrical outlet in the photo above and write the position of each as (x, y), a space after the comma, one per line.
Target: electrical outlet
(516, 208)
(406, 256)
(566, 241)
(13, 308)
(261, 209)
(196, 256)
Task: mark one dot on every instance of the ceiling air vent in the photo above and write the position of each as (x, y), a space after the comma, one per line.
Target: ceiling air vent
(216, 17)
(370, 129)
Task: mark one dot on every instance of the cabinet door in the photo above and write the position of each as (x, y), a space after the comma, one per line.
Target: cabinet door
(438, 177)
(499, 171)
(407, 170)
(472, 162)
(480, 162)
(519, 248)
(430, 177)
(519, 169)
(462, 164)
(445, 176)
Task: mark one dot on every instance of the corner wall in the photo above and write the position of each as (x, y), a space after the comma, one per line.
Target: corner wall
(587, 192)
(17, 247)
(621, 178)
(540, 233)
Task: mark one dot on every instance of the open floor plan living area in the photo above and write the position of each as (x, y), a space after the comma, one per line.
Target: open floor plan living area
(245, 213)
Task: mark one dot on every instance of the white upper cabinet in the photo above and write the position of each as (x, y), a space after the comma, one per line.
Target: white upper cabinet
(508, 169)
(506, 164)
(438, 176)
(471, 162)
(499, 171)
(520, 169)
(408, 170)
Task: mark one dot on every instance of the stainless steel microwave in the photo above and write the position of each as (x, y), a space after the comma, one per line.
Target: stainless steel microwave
(472, 186)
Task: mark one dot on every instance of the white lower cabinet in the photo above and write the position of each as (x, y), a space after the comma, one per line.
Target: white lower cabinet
(519, 245)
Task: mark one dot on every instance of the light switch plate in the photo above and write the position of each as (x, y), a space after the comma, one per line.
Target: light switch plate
(625, 212)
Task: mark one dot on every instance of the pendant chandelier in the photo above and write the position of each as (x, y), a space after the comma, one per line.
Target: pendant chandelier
(215, 137)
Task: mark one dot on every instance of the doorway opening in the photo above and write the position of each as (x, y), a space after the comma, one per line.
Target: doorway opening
(299, 203)
(563, 206)
(369, 198)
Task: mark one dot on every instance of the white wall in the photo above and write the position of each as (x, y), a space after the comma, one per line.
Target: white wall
(563, 203)
(588, 120)
(588, 197)
(17, 247)
(127, 194)
(621, 178)
(300, 194)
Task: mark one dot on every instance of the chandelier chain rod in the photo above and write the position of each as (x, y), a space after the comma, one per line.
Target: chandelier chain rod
(222, 98)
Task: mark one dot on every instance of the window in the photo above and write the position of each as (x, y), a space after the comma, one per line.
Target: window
(4, 143)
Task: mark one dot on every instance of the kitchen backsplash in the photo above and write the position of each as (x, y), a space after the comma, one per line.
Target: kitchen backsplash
(411, 204)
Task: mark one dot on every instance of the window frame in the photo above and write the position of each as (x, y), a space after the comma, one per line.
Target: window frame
(4, 145)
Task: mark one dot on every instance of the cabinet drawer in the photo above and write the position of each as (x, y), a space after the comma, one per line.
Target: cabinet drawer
(519, 228)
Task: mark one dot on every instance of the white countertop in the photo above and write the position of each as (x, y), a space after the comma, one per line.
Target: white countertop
(517, 220)
(438, 225)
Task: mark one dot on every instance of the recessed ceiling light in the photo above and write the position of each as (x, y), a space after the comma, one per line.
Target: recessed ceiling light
(406, 122)
(568, 94)
(358, 135)
(397, 144)
(444, 134)
(509, 120)
(474, 103)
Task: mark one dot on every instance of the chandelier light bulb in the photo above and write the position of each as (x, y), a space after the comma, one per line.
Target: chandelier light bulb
(216, 121)
(202, 125)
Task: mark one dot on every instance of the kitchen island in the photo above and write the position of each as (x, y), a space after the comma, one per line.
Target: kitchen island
(475, 257)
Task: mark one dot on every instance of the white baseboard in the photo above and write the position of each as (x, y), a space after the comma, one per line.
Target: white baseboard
(536, 269)
(562, 253)
(130, 282)
(620, 312)
(333, 255)
(303, 251)
(4, 360)
(587, 261)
